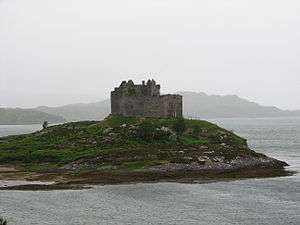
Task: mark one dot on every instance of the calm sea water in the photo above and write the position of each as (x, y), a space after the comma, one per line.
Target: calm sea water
(18, 129)
(271, 201)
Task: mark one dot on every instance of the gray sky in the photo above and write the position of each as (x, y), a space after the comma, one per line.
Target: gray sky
(55, 52)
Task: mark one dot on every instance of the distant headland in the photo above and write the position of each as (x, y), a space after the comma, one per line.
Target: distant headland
(196, 105)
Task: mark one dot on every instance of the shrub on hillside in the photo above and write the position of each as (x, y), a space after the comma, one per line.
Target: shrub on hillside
(196, 129)
(146, 130)
(149, 132)
(179, 126)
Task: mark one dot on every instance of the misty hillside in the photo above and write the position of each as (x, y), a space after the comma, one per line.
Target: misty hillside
(199, 105)
(17, 116)
(81, 111)
(216, 106)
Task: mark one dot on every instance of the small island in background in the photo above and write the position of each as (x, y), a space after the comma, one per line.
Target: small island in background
(144, 139)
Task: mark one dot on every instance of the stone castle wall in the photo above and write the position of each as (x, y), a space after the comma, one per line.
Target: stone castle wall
(144, 100)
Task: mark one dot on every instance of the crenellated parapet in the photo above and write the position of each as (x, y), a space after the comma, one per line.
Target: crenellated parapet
(137, 90)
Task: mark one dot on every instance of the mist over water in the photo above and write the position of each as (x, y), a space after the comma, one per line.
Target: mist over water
(248, 202)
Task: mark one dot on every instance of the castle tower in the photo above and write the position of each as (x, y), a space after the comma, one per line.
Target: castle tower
(144, 100)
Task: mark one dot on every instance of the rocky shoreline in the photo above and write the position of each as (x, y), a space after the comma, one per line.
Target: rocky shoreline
(221, 166)
(171, 172)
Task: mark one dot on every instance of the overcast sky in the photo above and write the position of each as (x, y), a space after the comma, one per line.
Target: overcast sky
(55, 52)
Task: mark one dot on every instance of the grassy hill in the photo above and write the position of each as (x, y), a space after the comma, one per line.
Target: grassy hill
(9, 116)
(125, 148)
(79, 112)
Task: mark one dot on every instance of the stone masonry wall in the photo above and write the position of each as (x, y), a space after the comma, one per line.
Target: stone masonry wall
(144, 100)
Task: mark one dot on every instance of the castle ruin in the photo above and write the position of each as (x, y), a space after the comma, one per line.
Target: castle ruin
(144, 100)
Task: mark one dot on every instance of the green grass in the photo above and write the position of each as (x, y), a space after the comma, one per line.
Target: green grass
(61, 144)
(190, 140)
